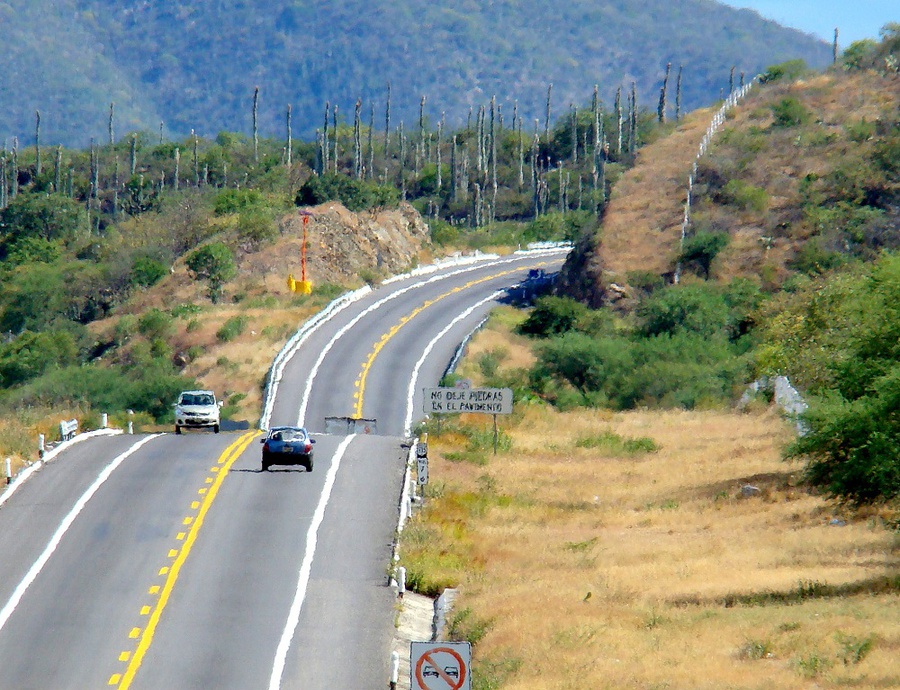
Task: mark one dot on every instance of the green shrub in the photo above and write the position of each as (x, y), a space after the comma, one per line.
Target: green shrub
(30, 355)
(684, 308)
(356, 195)
(257, 226)
(699, 250)
(213, 263)
(745, 196)
(789, 112)
(156, 323)
(236, 201)
(232, 328)
(614, 444)
(146, 271)
(552, 316)
(790, 70)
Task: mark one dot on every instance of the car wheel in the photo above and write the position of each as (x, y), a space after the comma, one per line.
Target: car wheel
(177, 429)
(265, 466)
(309, 465)
(216, 428)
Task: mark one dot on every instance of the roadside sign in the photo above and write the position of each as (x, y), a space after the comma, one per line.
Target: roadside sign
(486, 400)
(440, 665)
(422, 470)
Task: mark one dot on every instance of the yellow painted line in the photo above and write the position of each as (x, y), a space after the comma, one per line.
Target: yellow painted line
(360, 382)
(124, 656)
(195, 505)
(180, 536)
(209, 480)
(154, 589)
(135, 633)
(232, 453)
(202, 492)
(164, 570)
(145, 610)
(115, 678)
(188, 520)
(173, 553)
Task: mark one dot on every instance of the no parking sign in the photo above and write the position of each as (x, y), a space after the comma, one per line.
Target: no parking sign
(440, 665)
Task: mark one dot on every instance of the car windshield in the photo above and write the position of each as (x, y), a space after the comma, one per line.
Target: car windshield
(196, 399)
(289, 435)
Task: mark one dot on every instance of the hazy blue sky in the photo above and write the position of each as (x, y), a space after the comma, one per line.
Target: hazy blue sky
(856, 19)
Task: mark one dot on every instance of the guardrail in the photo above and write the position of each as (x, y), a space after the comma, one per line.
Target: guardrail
(68, 429)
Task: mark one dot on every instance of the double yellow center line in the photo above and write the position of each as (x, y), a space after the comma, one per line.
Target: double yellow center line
(171, 572)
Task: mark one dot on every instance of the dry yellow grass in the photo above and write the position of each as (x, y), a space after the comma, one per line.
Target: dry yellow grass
(606, 569)
(673, 557)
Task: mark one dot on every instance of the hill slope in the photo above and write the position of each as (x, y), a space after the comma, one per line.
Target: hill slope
(195, 65)
(791, 195)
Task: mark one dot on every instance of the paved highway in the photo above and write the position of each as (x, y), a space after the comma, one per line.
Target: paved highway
(173, 562)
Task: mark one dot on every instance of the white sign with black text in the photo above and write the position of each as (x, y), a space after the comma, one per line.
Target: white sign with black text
(455, 400)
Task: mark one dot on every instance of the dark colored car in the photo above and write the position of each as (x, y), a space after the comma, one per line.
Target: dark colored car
(287, 445)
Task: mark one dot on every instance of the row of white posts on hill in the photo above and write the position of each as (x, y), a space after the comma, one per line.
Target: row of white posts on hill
(715, 125)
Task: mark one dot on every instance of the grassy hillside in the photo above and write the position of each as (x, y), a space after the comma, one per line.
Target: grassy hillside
(194, 66)
(800, 179)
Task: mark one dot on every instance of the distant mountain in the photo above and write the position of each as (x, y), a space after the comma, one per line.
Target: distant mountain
(194, 65)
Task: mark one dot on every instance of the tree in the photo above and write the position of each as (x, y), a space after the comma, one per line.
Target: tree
(44, 216)
(215, 264)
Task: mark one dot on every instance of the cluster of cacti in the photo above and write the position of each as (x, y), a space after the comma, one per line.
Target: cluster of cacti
(489, 170)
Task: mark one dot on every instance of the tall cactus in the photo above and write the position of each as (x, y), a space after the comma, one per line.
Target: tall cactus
(387, 121)
(357, 141)
(37, 142)
(112, 115)
(678, 94)
(256, 125)
(454, 173)
(370, 169)
(290, 138)
(632, 140)
(196, 158)
(334, 126)
(57, 171)
(574, 112)
(4, 199)
(177, 167)
(422, 124)
(133, 166)
(619, 121)
(547, 117)
(663, 96)
(834, 48)
(437, 153)
(14, 182)
(326, 149)
(731, 81)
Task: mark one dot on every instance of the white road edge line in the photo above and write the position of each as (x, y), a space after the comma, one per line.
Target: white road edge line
(293, 619)
(368, 310)
(64, 526)
(413, 380)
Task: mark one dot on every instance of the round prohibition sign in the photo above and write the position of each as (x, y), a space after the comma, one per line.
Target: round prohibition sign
(433, 664)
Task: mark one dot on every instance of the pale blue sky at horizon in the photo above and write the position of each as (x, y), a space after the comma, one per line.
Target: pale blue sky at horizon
(854, 20)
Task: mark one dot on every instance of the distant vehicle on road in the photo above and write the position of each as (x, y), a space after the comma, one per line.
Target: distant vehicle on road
(287, 445)
(197, 410)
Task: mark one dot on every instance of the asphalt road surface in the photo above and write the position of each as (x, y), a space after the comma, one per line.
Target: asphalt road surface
(174, 562)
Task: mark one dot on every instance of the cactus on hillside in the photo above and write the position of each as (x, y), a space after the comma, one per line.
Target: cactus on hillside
(256, 125)
(289, 153)
(37, 142)
(387, 121)
(678, 94)
(547, 117)
(112, 116)
(663, 96)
